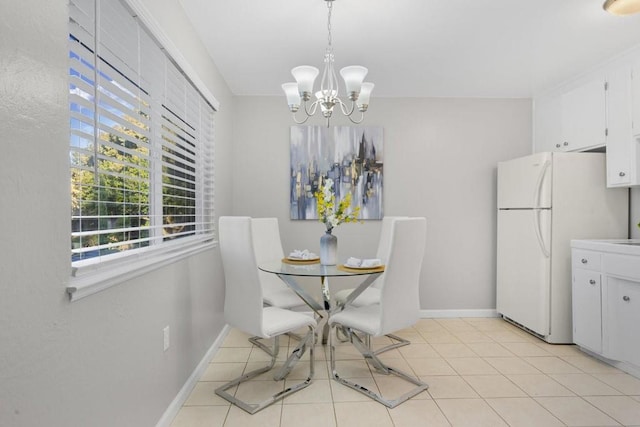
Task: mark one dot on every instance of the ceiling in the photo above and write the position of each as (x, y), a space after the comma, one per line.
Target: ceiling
(413, 48)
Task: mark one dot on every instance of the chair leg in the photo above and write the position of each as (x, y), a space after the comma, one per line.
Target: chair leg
(371, 356)
(306, 341)
(252, 408)
(256, 341)
(399, 342)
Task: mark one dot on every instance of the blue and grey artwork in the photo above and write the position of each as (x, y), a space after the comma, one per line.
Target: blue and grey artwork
(350, 155)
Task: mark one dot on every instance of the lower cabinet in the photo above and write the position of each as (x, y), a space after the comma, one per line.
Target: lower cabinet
(623, 323)
(587, 309)
(606, 301)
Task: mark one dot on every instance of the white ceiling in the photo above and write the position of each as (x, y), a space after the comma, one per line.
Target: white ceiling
(413, 48)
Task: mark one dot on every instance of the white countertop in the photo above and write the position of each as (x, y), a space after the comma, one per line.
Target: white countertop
(618, 246)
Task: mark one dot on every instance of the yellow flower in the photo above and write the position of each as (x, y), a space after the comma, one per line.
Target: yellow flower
(328, 213)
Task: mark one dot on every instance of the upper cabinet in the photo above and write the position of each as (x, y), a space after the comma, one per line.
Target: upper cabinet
(547, 124)
(584, 124)
(600, 111)
(574, 120)
(620, 142)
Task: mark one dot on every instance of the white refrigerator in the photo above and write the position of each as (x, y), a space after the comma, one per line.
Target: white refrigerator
(544, 201)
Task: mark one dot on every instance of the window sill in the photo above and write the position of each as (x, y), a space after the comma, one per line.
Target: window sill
(89, 281)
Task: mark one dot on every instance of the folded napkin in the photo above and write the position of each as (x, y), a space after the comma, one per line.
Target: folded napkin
(363, 263)
(303, 254)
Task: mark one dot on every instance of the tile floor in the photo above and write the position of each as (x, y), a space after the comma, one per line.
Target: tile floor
(481, 372)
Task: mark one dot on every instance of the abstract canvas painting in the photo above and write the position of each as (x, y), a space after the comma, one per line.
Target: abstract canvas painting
(352, 156)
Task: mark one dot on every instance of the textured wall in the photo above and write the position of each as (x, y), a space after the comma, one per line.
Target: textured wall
(99, 361)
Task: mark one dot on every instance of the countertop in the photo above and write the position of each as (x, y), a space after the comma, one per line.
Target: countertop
(617, 246)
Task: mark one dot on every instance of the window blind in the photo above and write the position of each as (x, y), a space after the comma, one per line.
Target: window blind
(141, 144)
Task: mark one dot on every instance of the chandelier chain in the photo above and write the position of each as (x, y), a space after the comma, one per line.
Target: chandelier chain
(330, 7)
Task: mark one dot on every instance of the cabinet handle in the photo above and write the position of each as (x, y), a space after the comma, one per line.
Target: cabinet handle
(565, 144)
(583, 260)
(592, 282)
(626, 298)
(622, 174)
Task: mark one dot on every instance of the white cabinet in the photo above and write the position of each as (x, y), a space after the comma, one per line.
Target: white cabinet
(606, 300)
(624, 319)
(571, 120)
(587, 301)
(596, 112)
(621, 146)
(584, 116)
(547, 124)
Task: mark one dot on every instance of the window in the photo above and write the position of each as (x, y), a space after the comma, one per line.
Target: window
(141, 142)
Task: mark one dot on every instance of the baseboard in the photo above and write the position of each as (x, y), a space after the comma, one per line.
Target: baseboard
(432, 314)
(185, 391)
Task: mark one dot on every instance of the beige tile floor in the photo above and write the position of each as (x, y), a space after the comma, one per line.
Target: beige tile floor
(481, 372)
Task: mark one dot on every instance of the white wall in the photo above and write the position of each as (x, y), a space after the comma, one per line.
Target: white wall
(440, 159)
(99, 361)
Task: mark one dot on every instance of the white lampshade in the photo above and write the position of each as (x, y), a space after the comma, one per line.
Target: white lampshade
(293, 96)
(305, 75)
(353, 77)
(365, 93)
(622, 7)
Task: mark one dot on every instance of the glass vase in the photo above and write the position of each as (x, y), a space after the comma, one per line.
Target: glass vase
(328, 249)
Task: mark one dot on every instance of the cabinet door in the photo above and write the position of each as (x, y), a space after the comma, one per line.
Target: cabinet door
(619, 124)
(624, 320)
(587, 313)
(635, 96)
(547, 124)
(584, 117)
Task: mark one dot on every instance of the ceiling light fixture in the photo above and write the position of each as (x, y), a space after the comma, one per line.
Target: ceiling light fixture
(327, 96)
(622, 7)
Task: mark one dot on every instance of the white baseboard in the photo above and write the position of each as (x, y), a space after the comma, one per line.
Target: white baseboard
(432, 314)
(185, 391)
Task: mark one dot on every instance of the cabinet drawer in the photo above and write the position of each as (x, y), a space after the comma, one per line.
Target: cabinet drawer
(622, 265)
(585, 259)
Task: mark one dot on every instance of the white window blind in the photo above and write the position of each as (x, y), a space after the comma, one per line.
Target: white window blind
(141, 145)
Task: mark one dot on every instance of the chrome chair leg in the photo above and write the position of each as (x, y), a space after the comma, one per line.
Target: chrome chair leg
(256, 341)
(371, 357)
(295, 356)
(307, 341)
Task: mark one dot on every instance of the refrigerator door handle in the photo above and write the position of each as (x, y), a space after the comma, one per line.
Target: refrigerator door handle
(536, 226)
(538, 189)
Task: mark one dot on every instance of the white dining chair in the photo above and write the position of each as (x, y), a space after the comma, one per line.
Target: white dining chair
(244, 309)
(398, 308)
(267, 246)
(371, 295)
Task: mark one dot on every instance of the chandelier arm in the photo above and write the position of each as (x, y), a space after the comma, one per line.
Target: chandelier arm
(343, 107)
(300, 121)
(307, 111)
(357, 121)
(312, 110)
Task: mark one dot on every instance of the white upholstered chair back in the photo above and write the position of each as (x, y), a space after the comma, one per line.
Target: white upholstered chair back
(384, 244)
(243, 292)
(400, 301)
(267, 246)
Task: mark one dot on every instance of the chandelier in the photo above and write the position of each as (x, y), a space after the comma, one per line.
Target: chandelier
(327, 97)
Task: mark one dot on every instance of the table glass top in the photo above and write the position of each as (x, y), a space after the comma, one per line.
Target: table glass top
(311, 270)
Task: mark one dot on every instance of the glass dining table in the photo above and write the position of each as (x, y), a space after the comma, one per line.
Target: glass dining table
(288, 271)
